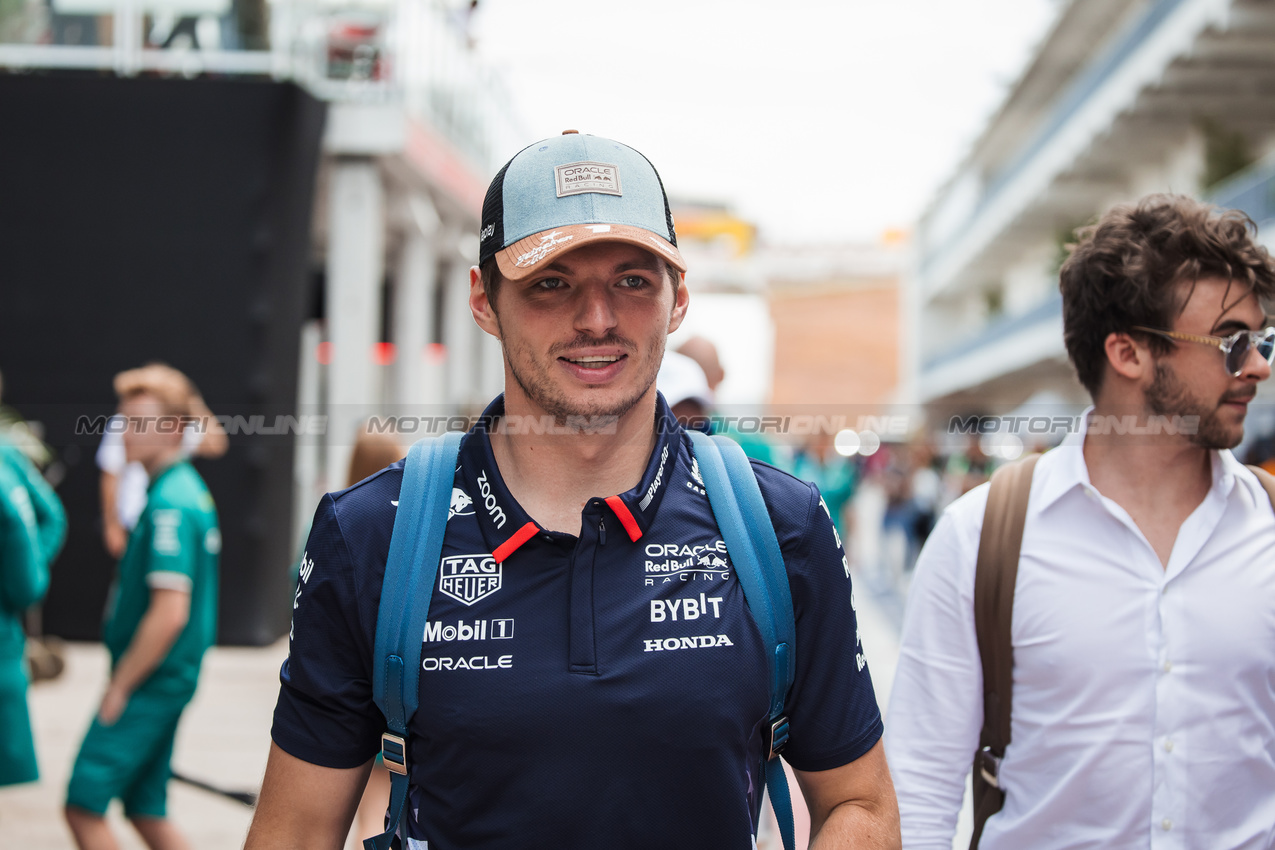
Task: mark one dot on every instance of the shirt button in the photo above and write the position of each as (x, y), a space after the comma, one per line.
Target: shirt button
(1168, 665)
(1166, 824)
(1168, 746)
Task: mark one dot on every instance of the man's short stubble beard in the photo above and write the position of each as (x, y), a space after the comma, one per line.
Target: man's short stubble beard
(1168, 396)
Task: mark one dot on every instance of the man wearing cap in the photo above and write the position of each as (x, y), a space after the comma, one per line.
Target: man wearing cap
(606, 685)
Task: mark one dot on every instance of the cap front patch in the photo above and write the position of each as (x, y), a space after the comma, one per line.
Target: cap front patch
(576, 178)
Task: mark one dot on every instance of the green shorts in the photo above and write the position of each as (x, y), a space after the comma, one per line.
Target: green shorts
(128, 760)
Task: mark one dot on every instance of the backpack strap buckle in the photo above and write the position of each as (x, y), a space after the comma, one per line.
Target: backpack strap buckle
(394, 753)
(778, 736)
(989, 767)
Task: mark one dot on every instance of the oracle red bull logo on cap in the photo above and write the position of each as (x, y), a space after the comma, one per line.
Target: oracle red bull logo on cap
(469, 578)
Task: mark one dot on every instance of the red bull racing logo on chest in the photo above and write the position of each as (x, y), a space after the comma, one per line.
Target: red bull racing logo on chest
(469, 578)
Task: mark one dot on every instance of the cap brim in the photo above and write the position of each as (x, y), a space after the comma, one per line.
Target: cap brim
(527, 256)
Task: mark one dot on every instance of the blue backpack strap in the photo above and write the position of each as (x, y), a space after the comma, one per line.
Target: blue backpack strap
(750, 539)
(408, 584)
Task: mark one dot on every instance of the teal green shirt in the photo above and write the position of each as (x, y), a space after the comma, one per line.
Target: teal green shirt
(32, 528)
(837, 479)
(50, 518)
(176, 545)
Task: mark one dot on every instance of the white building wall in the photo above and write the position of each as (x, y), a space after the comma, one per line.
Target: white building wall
(1030, 280)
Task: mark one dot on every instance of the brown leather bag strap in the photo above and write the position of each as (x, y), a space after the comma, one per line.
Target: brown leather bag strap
(994, 581)
(1266, 480)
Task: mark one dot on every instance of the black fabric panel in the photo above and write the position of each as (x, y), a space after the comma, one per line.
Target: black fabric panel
(494, 216)
(160, 219)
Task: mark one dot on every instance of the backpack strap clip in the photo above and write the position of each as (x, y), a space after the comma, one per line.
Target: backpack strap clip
(778, 736)
(989, 766)
(394, 753)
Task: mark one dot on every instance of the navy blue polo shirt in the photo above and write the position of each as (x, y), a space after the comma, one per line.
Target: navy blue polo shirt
(605, 690)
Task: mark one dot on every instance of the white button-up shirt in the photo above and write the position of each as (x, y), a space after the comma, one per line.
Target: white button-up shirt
(1144, 696)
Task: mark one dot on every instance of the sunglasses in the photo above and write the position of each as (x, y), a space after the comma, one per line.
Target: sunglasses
(1235, 348)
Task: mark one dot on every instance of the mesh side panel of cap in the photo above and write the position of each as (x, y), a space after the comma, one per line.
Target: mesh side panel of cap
(668, 213)
(493, 224)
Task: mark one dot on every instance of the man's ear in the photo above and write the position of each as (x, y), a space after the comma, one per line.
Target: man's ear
(680, 300)
(480, 305)
(1127, 357)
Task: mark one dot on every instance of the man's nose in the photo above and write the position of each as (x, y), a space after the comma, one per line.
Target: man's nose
(1256, 365)
(595, 312)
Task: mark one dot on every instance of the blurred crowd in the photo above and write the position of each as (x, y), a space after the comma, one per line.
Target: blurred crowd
(884, 497)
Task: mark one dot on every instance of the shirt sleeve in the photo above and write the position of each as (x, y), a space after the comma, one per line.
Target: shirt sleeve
(833, 713)
(24, 576)
(170, 563)
(936, 708)
(50, 517)
(325, 713)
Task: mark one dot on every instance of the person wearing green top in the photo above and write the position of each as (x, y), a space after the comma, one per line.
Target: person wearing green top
(160, 619)
(32, 529)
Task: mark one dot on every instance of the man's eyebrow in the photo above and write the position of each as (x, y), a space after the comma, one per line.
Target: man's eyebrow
(1231, 325)
(647, 263)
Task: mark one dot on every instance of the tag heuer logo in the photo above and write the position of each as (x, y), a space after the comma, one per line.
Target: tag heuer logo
(468, 578)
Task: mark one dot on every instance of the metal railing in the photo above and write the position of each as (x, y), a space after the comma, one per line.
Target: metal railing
(413, 52)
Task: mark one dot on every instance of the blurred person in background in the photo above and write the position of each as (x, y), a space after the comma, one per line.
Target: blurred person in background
(1142, 630)
(28, 438)
(837, 476)
(123, 482)
(685, 390)
(160, 620)
(45, 654)
(927, 490)
(703, 352)
(755, 445)
(32, 530)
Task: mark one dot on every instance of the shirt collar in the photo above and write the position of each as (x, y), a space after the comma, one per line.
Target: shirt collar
(163, 472)
(1069, 471)
(1230, 475)
(643, 501)
(504, 524)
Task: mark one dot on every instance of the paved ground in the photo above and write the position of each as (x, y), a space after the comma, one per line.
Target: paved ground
(224, 737)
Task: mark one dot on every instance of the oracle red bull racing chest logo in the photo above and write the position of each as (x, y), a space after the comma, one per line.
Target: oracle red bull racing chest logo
(469, 578)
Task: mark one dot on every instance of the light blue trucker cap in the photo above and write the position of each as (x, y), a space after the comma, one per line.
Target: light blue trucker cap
(570, 190)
